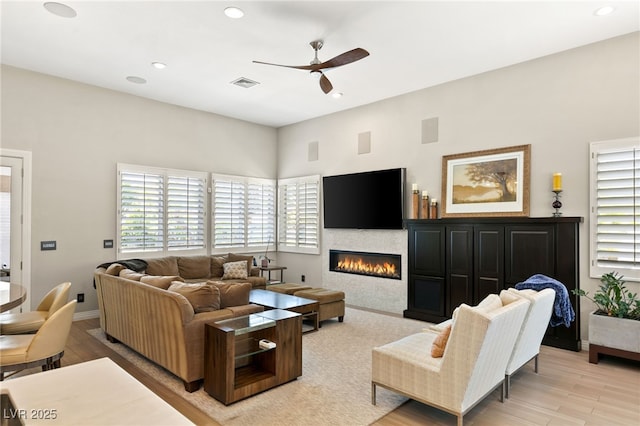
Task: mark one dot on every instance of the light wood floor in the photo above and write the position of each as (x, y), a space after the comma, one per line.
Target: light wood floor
(567, 391)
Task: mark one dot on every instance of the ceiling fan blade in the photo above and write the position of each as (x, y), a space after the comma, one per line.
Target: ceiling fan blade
(343, 59)
(325, 84)
(298, 67)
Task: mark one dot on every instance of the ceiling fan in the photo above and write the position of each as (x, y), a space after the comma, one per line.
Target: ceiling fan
(316, 67)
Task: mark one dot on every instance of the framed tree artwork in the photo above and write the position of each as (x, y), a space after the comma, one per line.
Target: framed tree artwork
(493, 182)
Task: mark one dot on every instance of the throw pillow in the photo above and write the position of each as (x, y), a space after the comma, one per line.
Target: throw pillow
(237, 257)
(440, 342)
(114, 269)
(508, 297)
(131, 275)
(163, 266)
(191, 267)
(232, 294)
(489, 303)
(235, 270)
(203, 297)
(216, 266)
(162, 282)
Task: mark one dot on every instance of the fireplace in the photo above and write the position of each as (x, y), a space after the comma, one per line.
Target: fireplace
(362, 263)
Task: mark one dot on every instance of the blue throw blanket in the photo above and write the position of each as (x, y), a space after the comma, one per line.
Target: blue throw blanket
(562, 310)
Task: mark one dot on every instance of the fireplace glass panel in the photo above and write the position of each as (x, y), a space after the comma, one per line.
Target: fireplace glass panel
(363, 263)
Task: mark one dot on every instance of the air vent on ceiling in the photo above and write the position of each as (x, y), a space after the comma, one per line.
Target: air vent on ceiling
(244, 82)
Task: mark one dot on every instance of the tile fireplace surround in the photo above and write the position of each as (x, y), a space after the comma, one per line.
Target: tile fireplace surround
(383, 294)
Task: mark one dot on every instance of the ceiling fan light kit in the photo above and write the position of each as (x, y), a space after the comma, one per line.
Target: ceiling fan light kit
(315, 66)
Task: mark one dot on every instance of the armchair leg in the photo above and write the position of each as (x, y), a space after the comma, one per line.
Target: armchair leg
(502, 388)
(507, 384)
(373, 393)
(460, 416)
(535, 363)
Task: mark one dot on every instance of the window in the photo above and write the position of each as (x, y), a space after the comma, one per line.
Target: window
(160, 210)
(299, 215)
(615, 207)
(244, 211)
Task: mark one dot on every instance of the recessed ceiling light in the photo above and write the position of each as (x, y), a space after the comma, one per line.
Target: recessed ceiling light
(60, 9)
(605, 10)
(136, 80)
(159, 65)
(234, 12)
(337, 95)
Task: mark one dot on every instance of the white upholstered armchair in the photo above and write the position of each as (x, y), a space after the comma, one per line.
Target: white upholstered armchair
(473, 364)
(533, 329)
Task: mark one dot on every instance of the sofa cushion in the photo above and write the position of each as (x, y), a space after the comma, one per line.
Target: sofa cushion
(440, 342)
(235, 270)
(238, 257)
(114, 269)
(162, 281)
(190, 267)
(163, 266)
(203, 297)
(216, 266)
(131, 275)
(232, 294)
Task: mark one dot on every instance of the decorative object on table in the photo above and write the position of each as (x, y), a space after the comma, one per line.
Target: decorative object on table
(434, 209)
(424, 212)
(614, 327)
(264, 262)
(493, 182)
(415, 200)
(557, 189)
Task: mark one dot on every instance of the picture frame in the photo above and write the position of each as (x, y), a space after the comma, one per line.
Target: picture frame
(487, 183)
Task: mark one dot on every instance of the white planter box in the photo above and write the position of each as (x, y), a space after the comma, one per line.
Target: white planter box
(619, 334)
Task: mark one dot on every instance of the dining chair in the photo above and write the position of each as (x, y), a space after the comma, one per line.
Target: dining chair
(45, 348)
(30, 322)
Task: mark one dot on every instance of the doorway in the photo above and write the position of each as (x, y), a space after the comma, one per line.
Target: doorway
(15, 219)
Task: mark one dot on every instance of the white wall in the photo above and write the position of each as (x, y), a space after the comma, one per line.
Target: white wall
(77, 133)
(558, 104)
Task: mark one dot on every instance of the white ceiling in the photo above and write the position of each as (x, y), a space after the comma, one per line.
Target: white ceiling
(412, 45)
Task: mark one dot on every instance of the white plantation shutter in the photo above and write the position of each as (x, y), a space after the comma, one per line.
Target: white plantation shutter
(243, 212)
(160, 210)
(299, 214)
(141, 212)
(186, 212)
(261, 213)
(615, 208)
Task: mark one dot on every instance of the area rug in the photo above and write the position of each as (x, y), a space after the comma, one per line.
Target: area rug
(335, 386)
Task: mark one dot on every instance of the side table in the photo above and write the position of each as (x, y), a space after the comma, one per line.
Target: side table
(236, 367)
(269, 269)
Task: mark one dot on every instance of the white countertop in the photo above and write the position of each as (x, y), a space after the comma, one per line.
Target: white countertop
(96, 392)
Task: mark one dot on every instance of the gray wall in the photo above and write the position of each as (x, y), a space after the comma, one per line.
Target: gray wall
(558, 104)
(77, 133)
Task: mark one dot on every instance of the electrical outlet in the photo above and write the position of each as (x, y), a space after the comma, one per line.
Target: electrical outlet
(302, 278)
(80, 297)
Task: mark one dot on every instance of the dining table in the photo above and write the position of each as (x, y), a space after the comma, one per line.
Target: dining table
(11, 295)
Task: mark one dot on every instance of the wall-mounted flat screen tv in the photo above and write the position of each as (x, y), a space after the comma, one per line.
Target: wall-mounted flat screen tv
(368, 200)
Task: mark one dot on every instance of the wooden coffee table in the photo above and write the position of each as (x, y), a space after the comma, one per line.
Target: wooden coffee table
(308, 308)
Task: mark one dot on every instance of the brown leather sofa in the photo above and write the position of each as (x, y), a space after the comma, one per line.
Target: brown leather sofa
(160, 324)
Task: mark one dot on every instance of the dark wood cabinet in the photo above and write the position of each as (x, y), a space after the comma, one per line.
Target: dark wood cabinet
(460, 260)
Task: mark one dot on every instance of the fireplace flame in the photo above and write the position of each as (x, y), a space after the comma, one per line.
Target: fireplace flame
(358, 265)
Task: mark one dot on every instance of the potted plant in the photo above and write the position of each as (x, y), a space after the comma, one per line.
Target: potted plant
(614, 327)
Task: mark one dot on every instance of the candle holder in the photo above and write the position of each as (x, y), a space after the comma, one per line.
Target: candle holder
(556, 203)
(416, 204)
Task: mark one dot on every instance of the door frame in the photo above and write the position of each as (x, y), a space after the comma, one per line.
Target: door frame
(26, 158)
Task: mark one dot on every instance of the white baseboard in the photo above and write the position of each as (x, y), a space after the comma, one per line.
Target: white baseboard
(79, 316)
